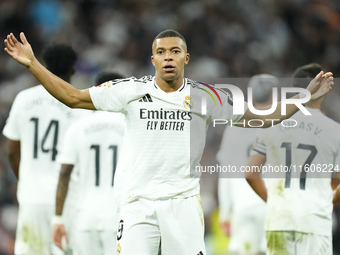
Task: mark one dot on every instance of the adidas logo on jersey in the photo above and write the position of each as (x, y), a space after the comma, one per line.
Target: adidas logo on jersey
(146, 98)
(200, 253)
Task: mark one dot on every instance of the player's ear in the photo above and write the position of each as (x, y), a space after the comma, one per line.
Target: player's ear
(187, 58)
(152, 61)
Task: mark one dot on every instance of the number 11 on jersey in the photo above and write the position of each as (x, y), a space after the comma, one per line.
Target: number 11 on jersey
(96, 148)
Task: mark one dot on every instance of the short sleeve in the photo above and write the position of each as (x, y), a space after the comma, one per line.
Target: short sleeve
(112, 96)
(260, 143)
(224, 108)
(68, 153)
(12, 126)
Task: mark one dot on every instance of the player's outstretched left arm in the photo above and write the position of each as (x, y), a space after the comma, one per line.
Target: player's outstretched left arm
(58, 226)
(318, 87)
(14, 154)
(60, 89)
(254, 178)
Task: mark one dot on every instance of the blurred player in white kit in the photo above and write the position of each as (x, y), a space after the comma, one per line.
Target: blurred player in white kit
(242, 212)
(35, 130)
(299, 205)
(92, 145)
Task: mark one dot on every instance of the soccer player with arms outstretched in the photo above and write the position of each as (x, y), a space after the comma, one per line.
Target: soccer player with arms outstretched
(160, 204)
(299, 204)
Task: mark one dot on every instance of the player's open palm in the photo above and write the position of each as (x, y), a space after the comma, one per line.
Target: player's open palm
(321, 85)
(21, 52)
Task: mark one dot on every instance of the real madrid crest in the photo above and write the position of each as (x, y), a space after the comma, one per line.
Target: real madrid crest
(187, 103)
(119, 249)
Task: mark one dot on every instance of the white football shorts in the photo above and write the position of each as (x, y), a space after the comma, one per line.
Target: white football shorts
(34, 231)
(297, 243)
(95, 242)
(172, 226)
(247, 234)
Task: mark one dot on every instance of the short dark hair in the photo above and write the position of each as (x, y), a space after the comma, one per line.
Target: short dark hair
(263, 85)
(304, 74)
(169, 33)
(59, 59)
(107, 76)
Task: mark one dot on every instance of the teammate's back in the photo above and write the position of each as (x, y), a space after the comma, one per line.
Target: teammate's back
(35, 130)
(302, 201)
(94, 143)
(39, 121)
(301, 155)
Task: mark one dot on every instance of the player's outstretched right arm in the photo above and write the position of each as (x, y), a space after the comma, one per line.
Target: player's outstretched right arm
(61, 90)
(254, 178)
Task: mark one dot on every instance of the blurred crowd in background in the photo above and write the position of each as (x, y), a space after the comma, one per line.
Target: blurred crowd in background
(225, 39)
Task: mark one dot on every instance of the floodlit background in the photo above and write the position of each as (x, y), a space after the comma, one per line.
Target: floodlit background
(225, 39)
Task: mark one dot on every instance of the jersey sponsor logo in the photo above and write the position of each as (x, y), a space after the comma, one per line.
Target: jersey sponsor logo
(119, 249)
(164, 114)
(188, 103)
(146, 98)
(120, 230)
(173, 120)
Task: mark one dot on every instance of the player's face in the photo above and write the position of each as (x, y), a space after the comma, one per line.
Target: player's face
(169, 56)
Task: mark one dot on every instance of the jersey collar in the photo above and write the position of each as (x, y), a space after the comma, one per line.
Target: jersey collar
(178, 90)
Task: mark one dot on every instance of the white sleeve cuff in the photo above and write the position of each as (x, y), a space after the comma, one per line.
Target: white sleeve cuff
(57, 220)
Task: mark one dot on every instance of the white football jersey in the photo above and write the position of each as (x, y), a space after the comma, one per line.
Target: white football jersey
(93, 144)
(234, 193)
(39, 122)
(302, 201)
(164, 137)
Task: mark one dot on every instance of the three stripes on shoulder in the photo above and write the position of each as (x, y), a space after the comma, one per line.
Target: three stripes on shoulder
(146, 98)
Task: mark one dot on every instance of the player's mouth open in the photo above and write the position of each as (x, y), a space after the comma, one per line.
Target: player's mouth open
(168, 68)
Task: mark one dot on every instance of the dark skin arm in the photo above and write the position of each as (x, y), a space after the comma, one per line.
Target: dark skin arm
(64, 179)
(336, 194)
(13, 148)
(254, 178)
